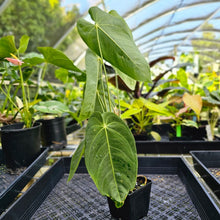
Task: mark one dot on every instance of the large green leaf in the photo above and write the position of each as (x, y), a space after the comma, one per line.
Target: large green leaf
(58, 58)
(110, 155)
(116, 43)
(7, 46)
(94, 68)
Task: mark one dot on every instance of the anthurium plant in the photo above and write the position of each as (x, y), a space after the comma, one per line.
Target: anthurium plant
(16, 70)
(109, 146)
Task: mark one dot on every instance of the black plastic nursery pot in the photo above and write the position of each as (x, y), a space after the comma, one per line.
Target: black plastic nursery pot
(207, 164)
(11, 184)
(20, 146)
(53, 133)
(176, 193)
(72, 126)
(136, 204)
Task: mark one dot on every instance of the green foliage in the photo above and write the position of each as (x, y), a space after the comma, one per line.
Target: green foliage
(110, 152)
(111, 39)
(94, 68)
(44, 22)
(7, 46)
(182, 77)
(19, 72)
(142, 112)
(110, 155)
(58, 58)
(52, 107)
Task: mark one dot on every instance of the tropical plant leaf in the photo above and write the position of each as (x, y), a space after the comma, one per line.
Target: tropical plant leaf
(194, 102)
(51, 107)
(155, 135)
(215, 95)
(7, 46)
(93, 66)
(33, 58)
(110, 155)
(76, 159)
(131, 83)
(23, 44)
(156, 108)
(62, 75)
(189, 123)
(123, 104)
(111, 38)
(182, 76)
(58, 58)
(210, 101)
(128, 114)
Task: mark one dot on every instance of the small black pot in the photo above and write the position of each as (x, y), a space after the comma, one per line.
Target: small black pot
(136, 204)
(53, 133)
(20, 146)
(72, 126)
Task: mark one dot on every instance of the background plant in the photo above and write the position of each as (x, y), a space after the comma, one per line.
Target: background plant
(20, 68)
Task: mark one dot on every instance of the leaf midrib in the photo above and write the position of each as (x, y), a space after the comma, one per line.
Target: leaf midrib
(109, 152)
(99, 27)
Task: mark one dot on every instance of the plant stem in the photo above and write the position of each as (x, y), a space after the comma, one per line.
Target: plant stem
(26, 113)
(42, 78)
(118, 93)
(106, 78)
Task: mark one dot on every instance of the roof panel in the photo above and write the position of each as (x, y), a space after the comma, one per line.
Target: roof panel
(162, 27)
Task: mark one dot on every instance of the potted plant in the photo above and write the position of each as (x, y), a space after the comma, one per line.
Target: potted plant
(20, 141)
(141, 113)
(109, 146)
(71, 95)
(53, 131)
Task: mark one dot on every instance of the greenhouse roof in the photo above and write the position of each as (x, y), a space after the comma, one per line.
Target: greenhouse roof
(166, 27)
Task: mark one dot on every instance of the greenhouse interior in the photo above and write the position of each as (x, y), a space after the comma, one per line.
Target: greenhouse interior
(110, 109)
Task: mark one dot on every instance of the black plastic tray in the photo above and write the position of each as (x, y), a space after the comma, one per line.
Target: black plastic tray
(207, 164)
(13, 183)
(175, 194)
(175, 147)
